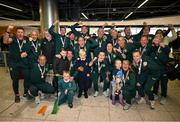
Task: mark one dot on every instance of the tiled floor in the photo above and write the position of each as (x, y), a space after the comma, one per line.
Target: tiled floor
(91, 109)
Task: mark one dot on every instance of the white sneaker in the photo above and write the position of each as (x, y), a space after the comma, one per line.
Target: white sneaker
(105, 93)
(152, 104)
(96, 93)
(156, 97)
(41, 95)
(141, 100)
(37, 100)
(163, 101)
(126, 107)
(101, 84)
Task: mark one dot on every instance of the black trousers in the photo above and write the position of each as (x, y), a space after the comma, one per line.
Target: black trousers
(163, 81)
(15, 71)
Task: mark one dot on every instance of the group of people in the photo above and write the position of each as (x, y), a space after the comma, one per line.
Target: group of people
(127, 67)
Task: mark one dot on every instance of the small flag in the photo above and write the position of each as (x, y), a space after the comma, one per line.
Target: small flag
(55, 107)
(42, 110)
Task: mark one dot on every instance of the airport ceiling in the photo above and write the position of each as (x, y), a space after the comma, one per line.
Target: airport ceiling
(93, 9)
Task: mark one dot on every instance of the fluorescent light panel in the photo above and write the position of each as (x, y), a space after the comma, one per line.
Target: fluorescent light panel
(137, 8)
(142, 4)
(1, 4)
(5, 18)
(128, 15)
(84, 15)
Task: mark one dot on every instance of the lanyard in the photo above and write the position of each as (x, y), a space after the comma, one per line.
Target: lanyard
(42, 71)
(142, 50)
(99, 42)
(122, 53)
(109, 57)
(126, 77)
(159, 48)
(114, 42)
(35, 46)
(20, 45)
(139, 68)
(99, 67)
(63, 41)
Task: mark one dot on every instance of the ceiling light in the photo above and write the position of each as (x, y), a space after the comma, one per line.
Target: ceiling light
(142, 4)
(84, 15)
(5, 18)
(128, 15)
(1, 4)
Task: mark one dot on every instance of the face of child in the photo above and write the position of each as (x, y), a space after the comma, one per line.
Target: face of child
(118, 64)
(82, 56)
(101, 56)
(66, 76)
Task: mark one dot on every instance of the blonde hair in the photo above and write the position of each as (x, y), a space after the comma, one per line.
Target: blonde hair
(82, 52)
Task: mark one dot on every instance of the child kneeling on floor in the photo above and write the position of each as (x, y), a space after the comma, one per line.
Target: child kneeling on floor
(67, 89)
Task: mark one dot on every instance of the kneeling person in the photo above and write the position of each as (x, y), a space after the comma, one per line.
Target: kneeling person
(37, 78)
(66, 89)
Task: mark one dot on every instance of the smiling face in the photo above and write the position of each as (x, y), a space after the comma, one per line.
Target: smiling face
(34, 35)
(109, 48)
(144, 41)
(63, 31)
(20, 33)
(118, 64)
(66, 76)
(126, 65)
(84, 29)
(136, 56)
(42, 60)
(81, 42)
(101, 56)
(127, 31)
(100, 32)
(121, 42)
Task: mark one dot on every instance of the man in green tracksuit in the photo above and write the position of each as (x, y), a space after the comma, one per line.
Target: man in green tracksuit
(61, 41)
(35, 48)
(37, 77)
(67, 89)
(85, 45)
(18, 59)
(147, 73)
(129, 84)
(84, 30)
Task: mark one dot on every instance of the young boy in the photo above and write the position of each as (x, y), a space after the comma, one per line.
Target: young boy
(117, 83)
(66, 89)
(83, 73)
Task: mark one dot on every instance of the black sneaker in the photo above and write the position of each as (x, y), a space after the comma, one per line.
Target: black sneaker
(29, 97)
(79, 94)
(85, 95)
(17, 99)
(70, 105)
